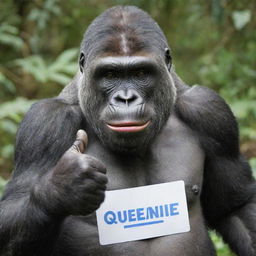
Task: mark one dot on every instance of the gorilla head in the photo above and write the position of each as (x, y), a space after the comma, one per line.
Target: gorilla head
(126, 90)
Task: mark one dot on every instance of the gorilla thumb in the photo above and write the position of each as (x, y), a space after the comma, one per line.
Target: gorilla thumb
(81, 141)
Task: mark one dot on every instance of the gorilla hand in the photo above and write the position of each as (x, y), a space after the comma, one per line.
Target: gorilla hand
(77, 184)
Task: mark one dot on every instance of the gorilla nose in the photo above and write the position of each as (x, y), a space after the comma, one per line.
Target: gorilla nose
(126, 98)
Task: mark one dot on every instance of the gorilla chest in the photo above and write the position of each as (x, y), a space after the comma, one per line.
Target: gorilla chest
(174, 155)
(180, 163)
(168, 164)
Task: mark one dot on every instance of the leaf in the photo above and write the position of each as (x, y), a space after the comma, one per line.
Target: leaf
(10, 108)
(9, 36)
(8, 84)
(12, 40)
(60, 71)
(249, 133)
(9, 29)
(8, 126)
(35, 66)
(2, 185)
(7, 151)
(241, 18)
(70, 68)
(64, 59)
(253, 165)
(60, 78)
(241, 108)
(221, 247)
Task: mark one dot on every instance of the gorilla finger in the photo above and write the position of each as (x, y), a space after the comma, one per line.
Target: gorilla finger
(88, 186)
(96, 176)
(93, 189)
(95, 163)
(96, 196)
(81, 141)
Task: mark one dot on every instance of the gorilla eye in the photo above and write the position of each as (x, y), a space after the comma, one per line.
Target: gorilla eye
(140, 73)
(110, 75)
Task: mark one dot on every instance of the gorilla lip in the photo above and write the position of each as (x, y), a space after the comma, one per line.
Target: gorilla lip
(128, 126)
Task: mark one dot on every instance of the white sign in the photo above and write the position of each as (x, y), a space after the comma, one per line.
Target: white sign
(143, 212)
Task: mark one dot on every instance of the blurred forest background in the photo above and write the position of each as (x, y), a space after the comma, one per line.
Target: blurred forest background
(213, 44)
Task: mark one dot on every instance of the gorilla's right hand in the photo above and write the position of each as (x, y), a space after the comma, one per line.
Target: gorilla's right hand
(76, 185)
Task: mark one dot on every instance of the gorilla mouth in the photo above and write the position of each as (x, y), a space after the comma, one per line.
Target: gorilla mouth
(128, 126)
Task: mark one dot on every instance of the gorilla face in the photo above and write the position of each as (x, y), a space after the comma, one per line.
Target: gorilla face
(126, 91)
(127, 100)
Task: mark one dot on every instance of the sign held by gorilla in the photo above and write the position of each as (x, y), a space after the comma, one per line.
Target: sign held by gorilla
(143, 212)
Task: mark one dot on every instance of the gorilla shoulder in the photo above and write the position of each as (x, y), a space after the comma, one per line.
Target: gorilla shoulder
(208, 114)
(44, 125)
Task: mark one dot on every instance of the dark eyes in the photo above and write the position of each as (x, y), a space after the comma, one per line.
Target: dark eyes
(110, 75)
(140, 74)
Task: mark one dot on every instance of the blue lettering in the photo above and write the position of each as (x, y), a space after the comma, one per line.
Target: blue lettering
(110, 218)
(161, 209)
(173, 209)
(152, 213)
(121, 218)
(140, 214)
(131, 215)
(166, 210)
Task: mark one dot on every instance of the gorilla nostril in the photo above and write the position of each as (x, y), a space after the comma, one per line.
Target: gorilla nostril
(118, 99)
(132, 98)
(127, 98)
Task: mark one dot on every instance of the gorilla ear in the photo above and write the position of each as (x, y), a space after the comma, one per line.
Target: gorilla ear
(81, 62)
(168, 58)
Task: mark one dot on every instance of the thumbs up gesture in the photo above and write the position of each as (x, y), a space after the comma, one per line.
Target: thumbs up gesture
(78, 181)
(81, 142)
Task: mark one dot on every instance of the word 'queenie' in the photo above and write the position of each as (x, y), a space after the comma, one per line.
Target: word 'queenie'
(141, 214)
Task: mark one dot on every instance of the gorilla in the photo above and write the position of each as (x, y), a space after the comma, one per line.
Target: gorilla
(144, 126)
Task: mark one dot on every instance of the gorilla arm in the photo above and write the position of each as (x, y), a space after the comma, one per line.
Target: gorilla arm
(229, 190)
(229, 202)
(25, 227)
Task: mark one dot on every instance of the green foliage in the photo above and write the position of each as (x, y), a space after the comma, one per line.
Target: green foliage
(9, 36)
(13, 109)
(221, 248)
(241, 18)
(11, 114)
(2, 185)
(7, 84)
(245, 111)
(253, 165)
(41, 15)
(59, 70)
